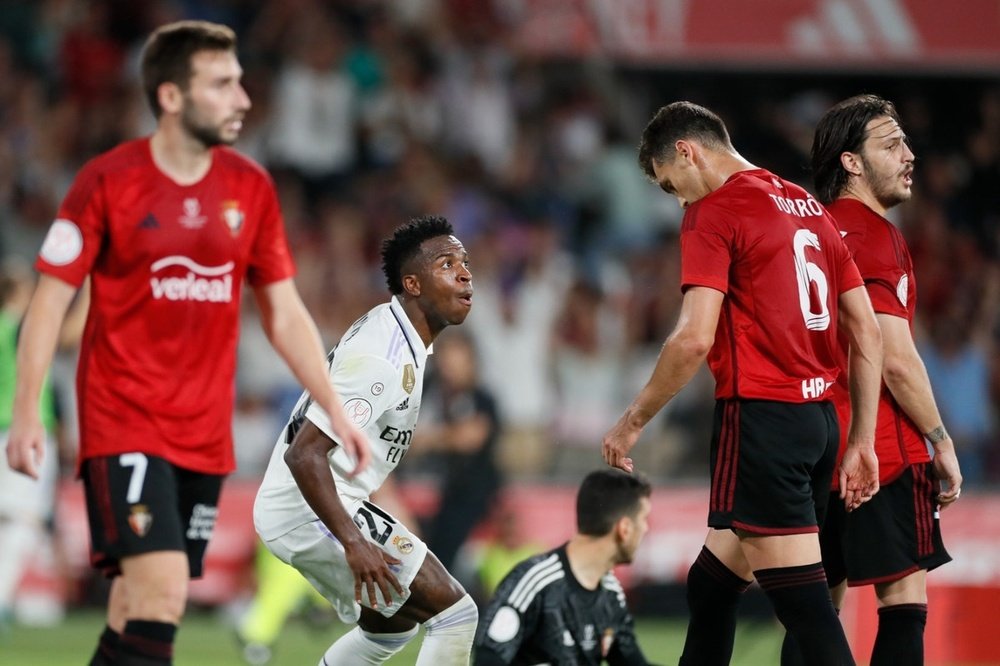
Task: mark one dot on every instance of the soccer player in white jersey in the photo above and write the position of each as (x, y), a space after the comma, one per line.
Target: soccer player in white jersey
(310, 511)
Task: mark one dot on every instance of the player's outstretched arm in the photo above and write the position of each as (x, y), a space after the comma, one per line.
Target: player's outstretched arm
(906, 377)
(295, 337)
(859, 467)
(36, 346)
(685, 349)
(306, 458)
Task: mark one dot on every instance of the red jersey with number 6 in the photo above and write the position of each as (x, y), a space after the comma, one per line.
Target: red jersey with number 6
(775, 253)
(887, 269)
(158, 357)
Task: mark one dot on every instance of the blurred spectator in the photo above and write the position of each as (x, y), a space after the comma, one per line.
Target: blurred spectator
(463, 429)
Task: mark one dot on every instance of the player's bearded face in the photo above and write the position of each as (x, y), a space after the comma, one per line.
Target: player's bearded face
(215, 102)
(887, 162)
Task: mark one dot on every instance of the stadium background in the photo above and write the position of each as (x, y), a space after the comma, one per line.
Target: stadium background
(517, 119)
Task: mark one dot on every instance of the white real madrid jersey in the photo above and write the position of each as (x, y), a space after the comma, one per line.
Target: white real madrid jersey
(378, 370)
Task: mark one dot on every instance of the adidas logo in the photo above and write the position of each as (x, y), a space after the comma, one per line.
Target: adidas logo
(403, 405)
(149, 222)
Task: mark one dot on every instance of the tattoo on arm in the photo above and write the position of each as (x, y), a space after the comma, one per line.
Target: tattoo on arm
(937, 435)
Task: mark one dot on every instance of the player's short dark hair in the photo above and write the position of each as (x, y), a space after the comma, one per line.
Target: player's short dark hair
(676, 121)
(404, 245)
(843, 129)
(607, 495)
(166, 56)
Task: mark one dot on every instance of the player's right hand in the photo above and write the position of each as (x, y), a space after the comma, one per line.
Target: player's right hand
(26, 447)
(370, 565)
(858, 475)
(618, 442)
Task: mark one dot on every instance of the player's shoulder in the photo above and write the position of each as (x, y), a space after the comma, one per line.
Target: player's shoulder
(532, 577)
(125, 156)
(235, 161)
(612, 586)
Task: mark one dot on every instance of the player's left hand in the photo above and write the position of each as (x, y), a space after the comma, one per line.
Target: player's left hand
(947, 471)
(858, 475)
(618, 442)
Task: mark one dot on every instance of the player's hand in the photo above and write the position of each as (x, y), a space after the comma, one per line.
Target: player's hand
(858, 475)
(26, 447)
(353, 442)
(618, 442)
(947, 471)
(370, 565)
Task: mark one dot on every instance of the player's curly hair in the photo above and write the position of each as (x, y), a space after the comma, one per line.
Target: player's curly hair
(676, 121)
(843, 129)
(405, 244)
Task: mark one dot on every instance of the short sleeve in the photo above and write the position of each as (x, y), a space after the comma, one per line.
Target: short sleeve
(270, 259)
(885, 276)
(75, 238)
(707, 241)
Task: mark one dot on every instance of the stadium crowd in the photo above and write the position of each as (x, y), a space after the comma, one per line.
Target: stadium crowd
(368, 113)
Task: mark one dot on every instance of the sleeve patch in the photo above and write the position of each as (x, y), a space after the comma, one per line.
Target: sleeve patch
(505, 625)
(903, 288)
(63, 243)
(359, 411)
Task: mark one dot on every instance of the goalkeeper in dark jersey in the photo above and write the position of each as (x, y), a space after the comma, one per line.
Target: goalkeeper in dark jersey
(566, 606)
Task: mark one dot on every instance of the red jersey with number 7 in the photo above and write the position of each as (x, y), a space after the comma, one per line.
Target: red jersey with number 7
(167, 261)
(775, 253)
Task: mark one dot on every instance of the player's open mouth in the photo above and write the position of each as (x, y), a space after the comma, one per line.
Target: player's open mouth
(466, 299)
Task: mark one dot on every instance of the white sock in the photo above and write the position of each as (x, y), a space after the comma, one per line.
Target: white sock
(18, 540)
(449, 635)
(358, 646)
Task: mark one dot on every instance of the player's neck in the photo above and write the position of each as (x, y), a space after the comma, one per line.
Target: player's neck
(589, 560)
(864, 196)
(180, 157)
(722, 165)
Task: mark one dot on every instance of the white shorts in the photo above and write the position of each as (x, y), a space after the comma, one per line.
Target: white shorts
(22, 496)
(319, 557)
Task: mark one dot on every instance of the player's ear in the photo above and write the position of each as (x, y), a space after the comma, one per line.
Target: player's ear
(411, 285)
(623, 528)
(170, 97)
(851, 163)
(685, 149)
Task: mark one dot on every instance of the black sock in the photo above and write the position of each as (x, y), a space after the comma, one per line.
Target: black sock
(802, 603)
(713, 594)
(791, 653)
(146, 643)
(107, 648)
(900, 638)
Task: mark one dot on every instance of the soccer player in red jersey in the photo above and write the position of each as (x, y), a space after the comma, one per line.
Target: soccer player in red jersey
(168, 227)
(862, 167)
(767, 283)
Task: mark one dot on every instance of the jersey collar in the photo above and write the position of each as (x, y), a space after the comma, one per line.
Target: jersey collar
(417, 348)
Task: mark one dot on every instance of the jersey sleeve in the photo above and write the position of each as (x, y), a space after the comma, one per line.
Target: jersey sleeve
(270, 258)
(625, 650)
(885, 277)
(76, 236)
(506, 624)
(363, 383)
(707, 234)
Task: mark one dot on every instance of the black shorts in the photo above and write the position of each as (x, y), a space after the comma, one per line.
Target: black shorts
(771, 465)
(889, 537)
(137, 503)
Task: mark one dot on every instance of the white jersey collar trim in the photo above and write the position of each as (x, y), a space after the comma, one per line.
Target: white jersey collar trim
(417, 349)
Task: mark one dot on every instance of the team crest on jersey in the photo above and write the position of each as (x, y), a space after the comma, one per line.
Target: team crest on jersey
(232, 216)
(140, 520)
(192, 217)
(409, 378)
(404, 545)
(903, 289)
